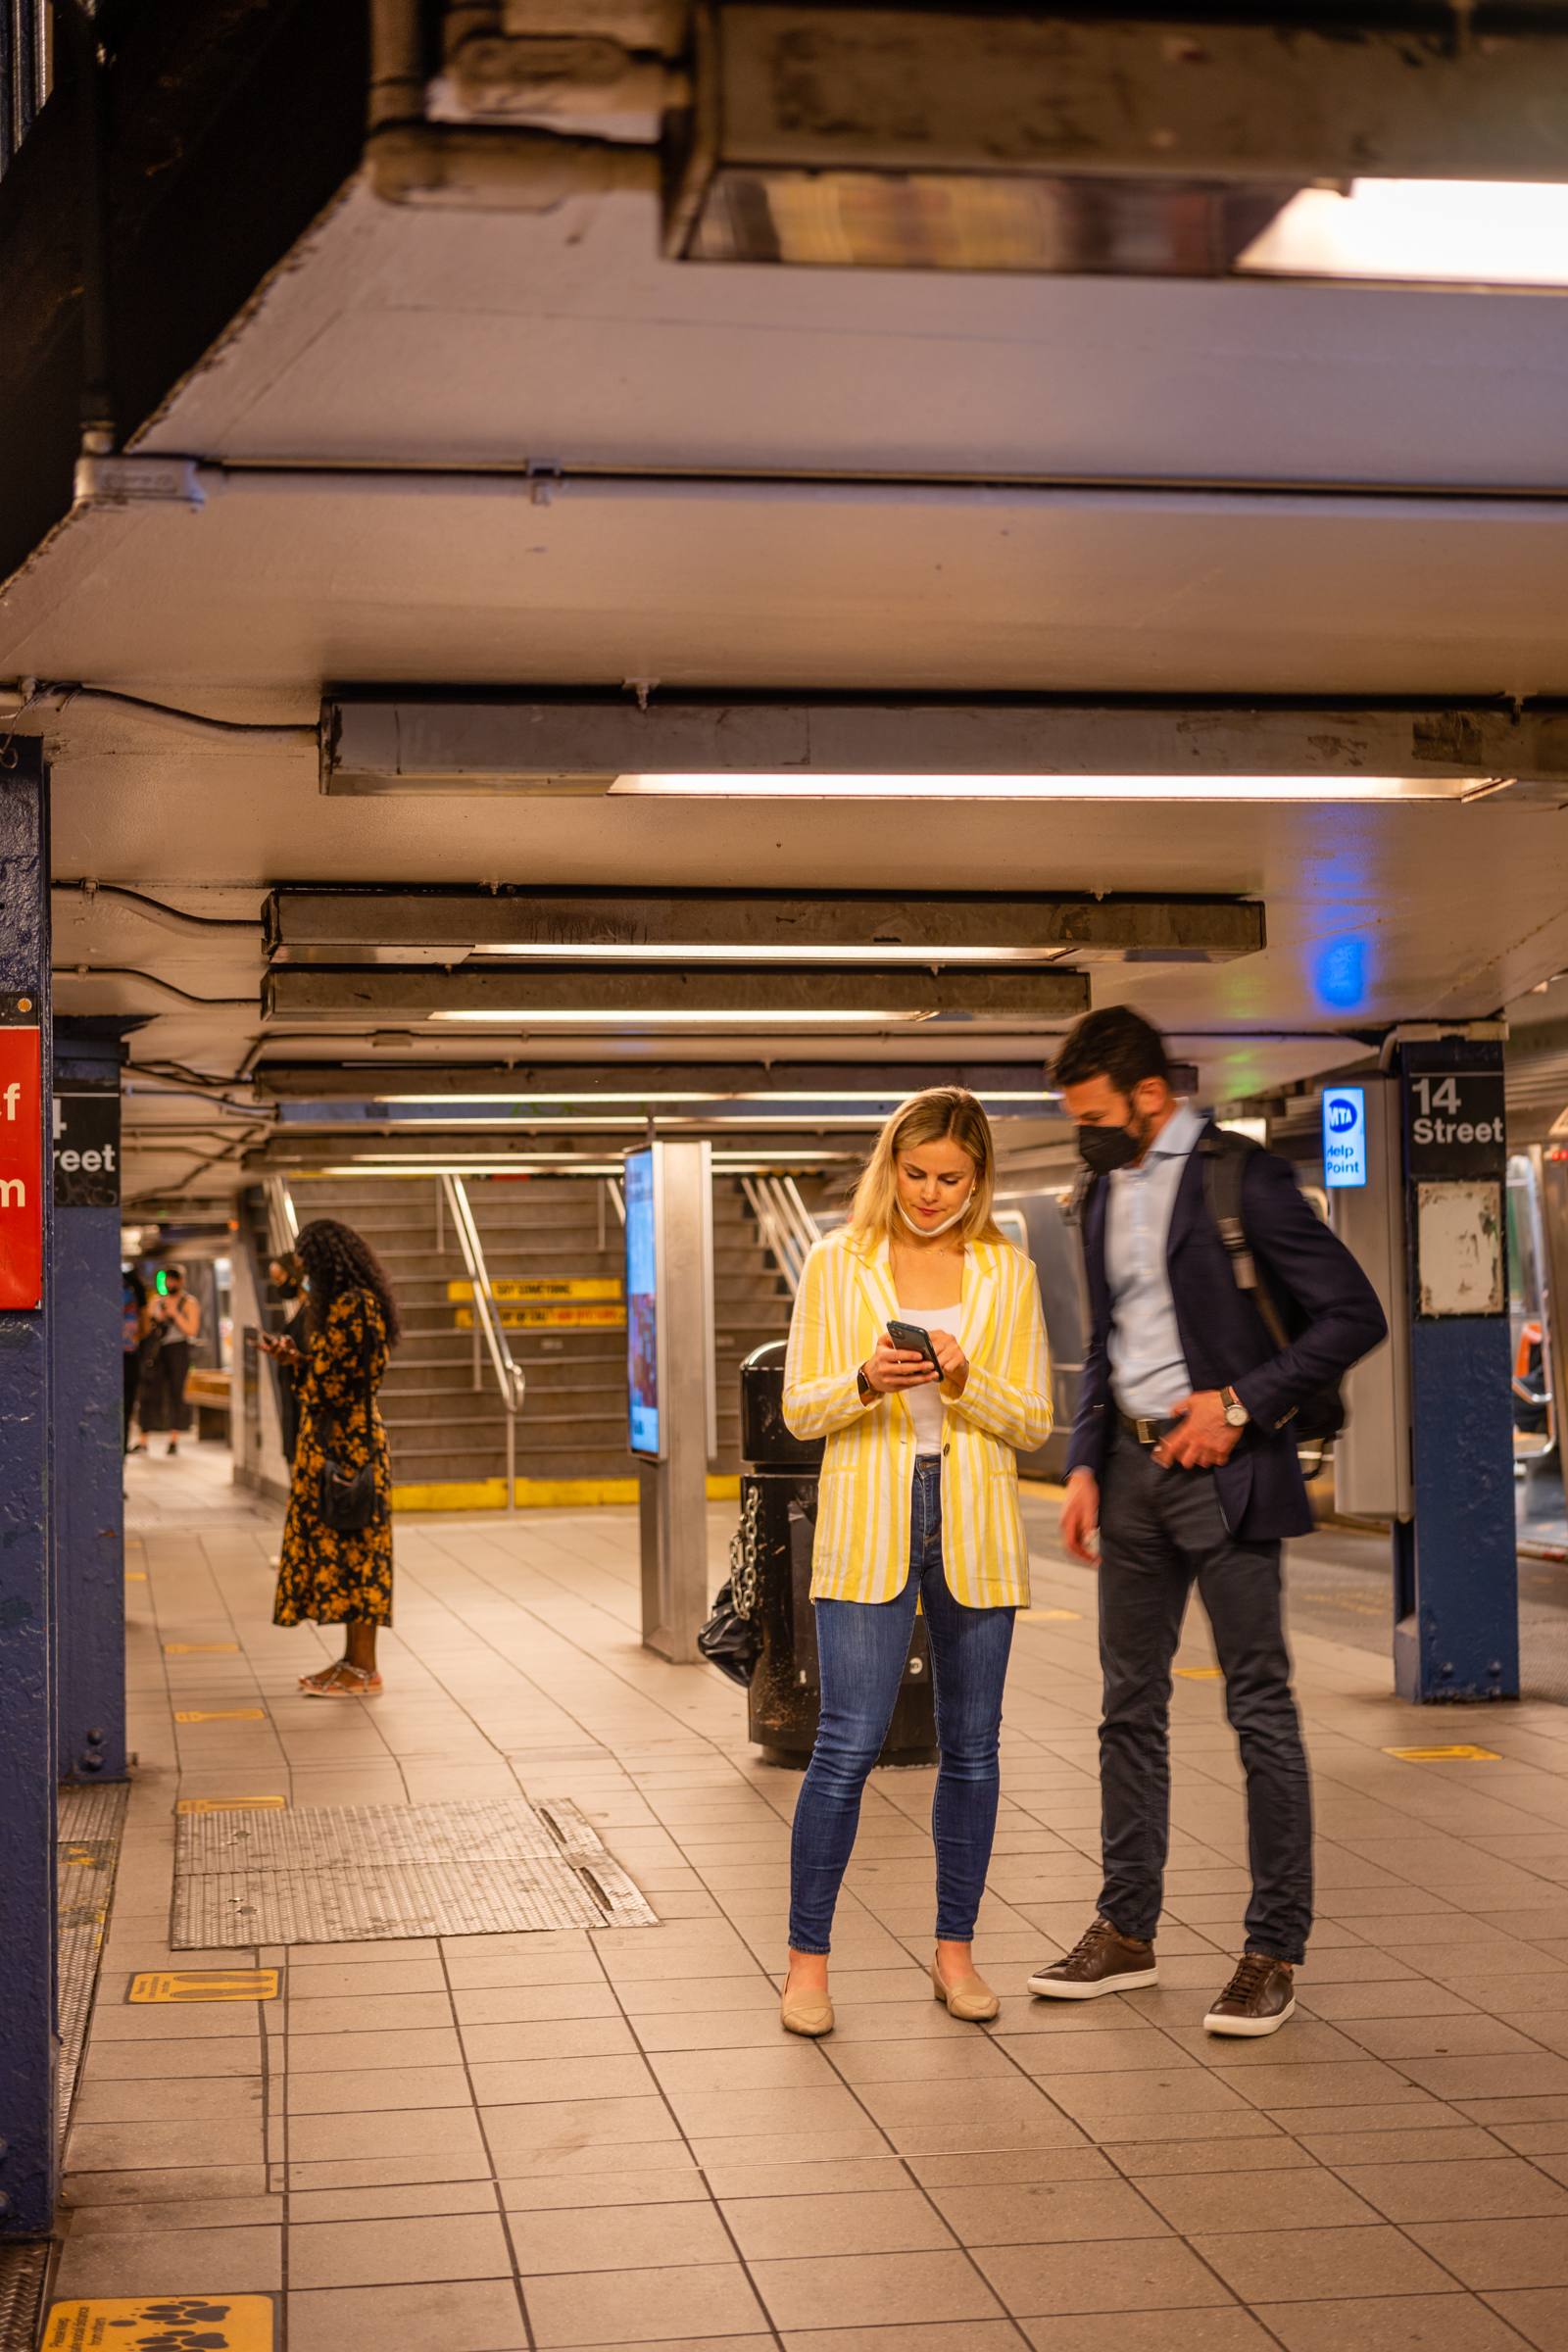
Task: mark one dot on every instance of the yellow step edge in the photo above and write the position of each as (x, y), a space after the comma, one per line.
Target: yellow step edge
(537, 1494)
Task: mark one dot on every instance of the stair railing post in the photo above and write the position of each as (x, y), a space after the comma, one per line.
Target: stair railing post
(511, 1379)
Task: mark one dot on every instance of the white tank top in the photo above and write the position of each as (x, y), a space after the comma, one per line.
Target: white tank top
(926, 1407)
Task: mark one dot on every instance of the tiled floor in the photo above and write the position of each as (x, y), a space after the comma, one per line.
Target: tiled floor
(597, 2140)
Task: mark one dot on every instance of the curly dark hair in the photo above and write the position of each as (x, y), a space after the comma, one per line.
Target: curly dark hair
(337, 1258)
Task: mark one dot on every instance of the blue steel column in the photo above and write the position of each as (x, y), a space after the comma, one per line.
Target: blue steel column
(1457, 1573)
(88, 1520)
(28, 2166)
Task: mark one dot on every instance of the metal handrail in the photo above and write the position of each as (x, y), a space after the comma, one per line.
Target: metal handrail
(785, 1224)
(511, 1379)
(282, 1218)
(805, 1223)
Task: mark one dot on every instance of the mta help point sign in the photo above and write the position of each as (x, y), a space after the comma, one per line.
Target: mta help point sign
(1343, 1135)
(21, 1168)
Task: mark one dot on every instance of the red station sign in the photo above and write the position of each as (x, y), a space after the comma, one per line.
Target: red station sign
(21, 1168)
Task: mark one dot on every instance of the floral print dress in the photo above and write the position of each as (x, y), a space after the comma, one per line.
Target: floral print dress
(324, 1574)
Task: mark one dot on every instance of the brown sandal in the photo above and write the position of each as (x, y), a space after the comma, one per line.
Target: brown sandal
(362, 1683)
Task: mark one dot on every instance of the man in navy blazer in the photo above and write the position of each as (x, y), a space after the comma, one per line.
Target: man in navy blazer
(1184, 1454)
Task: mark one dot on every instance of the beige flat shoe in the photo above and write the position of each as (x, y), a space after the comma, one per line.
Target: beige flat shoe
(970, 1999)
(809, 2012)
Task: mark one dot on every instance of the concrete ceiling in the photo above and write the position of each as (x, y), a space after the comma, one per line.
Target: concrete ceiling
(1113, 486)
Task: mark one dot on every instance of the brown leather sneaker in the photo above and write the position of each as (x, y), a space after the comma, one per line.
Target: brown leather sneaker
(1259, 1999)
(1102, 1961)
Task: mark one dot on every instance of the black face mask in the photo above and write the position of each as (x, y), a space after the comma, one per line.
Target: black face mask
(1105, 1148)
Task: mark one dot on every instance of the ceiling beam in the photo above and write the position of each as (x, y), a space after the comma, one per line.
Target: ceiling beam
(310, 991)
(370, 926)
(582, 739)
(639, 1082)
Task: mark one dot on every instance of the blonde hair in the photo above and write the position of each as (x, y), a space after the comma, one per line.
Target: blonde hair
(939, 1113)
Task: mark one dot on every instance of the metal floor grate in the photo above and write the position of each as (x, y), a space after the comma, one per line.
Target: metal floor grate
(22, 2270)
(88, 1825)
(365, 1874)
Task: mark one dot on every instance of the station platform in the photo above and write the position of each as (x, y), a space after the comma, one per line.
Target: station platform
(602, 2138)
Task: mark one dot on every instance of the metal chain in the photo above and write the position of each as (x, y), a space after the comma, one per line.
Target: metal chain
(743, 1558)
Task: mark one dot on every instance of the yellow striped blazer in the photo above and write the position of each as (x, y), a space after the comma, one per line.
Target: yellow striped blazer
(862, 1551)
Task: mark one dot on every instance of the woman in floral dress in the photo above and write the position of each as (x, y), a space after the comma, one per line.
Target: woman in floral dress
(350, 1321)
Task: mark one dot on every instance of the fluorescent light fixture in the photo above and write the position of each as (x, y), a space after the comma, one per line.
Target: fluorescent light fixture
(1441, 231)
(552, 952)
(627, 1122)
(805, 787)
(816, 1094)
(553, 1163)
(789, 1019)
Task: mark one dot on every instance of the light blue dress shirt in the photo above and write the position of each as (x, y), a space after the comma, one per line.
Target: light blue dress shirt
(1147, 1370)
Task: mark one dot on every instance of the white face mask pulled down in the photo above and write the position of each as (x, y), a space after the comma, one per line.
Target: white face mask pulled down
(929, 1232)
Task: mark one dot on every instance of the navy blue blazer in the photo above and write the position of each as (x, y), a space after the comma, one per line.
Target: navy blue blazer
(1224, 1340)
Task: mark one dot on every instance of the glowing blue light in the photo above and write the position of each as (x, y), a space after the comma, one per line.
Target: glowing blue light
(1340, 974)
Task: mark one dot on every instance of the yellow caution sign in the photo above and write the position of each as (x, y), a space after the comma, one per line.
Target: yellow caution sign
(461, 1293)
(1200, 1674)
(221, 1715)
(192, 1649)
(1044, 1616)
(161, 1985)
(163, 2324)
(231, 1805)
(532, 1318)
(1463, 1754)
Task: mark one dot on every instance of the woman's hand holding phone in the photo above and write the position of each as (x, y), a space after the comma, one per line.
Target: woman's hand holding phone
(281, 1345)
(890, 1368)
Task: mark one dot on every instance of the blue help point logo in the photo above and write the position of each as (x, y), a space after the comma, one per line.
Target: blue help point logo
(1343, 1114)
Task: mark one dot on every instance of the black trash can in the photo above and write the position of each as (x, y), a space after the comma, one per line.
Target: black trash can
(778, 1521)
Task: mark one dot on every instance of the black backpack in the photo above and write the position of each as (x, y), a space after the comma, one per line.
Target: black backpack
(1322, 1415)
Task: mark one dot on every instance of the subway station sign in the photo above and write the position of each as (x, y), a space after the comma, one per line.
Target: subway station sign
(86, 1146)
(1456, 1124)
(20, 1153)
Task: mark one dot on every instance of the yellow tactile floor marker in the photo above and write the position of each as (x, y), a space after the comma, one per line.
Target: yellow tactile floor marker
(220, 1714)
(232, 1804)
(1444, 1755)
(192, 1649)
(163, 2324)
(160, 1985)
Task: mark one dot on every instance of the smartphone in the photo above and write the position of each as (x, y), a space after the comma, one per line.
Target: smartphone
(910, 1336)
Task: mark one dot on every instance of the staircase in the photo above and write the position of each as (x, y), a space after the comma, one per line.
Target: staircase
(439, 1400)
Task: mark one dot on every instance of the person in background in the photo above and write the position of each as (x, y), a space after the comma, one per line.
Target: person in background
(349, 1323)
(175, 1323)
(919, 1509)
(133, 1324)
(284, 1274)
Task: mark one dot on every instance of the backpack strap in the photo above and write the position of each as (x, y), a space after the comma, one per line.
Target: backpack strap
(1225, 1157)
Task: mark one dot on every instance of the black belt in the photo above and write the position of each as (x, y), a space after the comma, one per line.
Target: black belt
(1148, 1433)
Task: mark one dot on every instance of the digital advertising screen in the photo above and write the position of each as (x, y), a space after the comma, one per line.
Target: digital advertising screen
(642, 1303)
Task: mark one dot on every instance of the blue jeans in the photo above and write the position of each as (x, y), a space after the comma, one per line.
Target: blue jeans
(863, 1647)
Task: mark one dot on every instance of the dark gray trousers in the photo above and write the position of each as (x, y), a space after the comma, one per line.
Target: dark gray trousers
(1160, 1531)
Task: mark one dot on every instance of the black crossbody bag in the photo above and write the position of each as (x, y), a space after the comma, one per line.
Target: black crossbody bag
(346, 1500)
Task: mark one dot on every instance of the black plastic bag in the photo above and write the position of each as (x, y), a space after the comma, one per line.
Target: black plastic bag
(730, 1642)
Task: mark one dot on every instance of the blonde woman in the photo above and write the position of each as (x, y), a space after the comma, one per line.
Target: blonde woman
(918, 1507)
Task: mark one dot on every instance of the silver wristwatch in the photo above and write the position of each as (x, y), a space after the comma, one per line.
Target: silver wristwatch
(1237, 1415)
